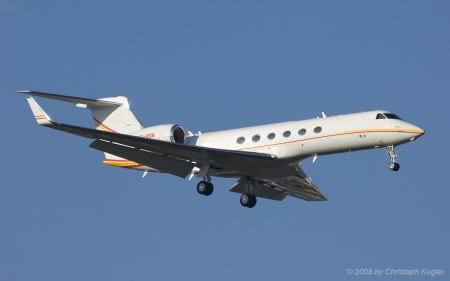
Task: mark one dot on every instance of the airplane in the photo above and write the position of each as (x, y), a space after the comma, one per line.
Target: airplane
(265, 159)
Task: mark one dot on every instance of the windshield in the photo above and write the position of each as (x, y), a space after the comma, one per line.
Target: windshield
(392, 116)
(388, 116)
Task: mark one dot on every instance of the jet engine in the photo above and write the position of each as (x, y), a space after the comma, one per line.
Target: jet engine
(168, 132)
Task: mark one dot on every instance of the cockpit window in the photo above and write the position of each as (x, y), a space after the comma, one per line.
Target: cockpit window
(388, 116)
(392, 116)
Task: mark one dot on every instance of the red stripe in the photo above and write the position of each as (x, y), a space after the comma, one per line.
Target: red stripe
(98, 123)
(131, 167)
(333, 135)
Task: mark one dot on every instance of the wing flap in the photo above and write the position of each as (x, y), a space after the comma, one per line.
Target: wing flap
(297, 185)
(258, 189)
(159, 162)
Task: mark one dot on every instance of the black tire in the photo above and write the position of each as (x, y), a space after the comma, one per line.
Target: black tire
(253, 202)
(202, 187)
(394, 166)
(248, 200)
(245, 199)
(209, 189)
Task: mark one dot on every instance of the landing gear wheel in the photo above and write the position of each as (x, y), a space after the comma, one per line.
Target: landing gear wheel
(254, 202)
(201, 187)
(248, 200)
(209, 189)
(394, 166)
(205, 188)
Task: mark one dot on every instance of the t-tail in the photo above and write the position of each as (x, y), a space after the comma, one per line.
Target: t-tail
(109, 114)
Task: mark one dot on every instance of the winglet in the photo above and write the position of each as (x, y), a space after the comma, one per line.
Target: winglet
(41, 117)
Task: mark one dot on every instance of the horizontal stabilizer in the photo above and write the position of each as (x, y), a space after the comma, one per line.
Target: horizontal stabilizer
(76, 100)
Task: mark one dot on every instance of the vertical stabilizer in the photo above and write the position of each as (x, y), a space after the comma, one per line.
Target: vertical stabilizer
(117, 118)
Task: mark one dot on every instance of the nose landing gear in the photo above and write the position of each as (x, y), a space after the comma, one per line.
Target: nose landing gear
(393, 166)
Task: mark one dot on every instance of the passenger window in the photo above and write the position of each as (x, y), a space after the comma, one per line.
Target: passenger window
(256, 138)
(287, 134)
(271, 136)
(317, 130)
(380, 116)
(240, 140)
(302, 132)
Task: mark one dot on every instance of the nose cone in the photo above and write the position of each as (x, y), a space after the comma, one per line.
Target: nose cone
(416, 132)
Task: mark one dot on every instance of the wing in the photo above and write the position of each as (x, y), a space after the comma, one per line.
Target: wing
(174, 158)
(287, 180)
(270, 179)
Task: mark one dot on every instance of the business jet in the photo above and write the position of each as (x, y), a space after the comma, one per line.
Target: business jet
(265, 159)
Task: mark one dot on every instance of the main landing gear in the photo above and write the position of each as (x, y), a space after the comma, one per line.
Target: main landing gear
(205, 187)
(393, 166)
(248, 200)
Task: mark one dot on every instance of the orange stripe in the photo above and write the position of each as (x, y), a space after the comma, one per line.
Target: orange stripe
(102, 126)
(383, 130)
(122, 163)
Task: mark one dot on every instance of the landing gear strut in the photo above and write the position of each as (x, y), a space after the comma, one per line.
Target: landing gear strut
(205, 187)
(248, 199)
(393, 166)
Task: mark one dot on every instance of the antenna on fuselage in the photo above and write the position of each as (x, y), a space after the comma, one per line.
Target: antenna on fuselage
(323, 115)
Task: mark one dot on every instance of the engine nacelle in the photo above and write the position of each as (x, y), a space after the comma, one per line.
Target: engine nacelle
(169, 132)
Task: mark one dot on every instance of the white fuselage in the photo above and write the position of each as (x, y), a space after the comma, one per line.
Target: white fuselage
(292, 142)
(297, 140)
(285, 143)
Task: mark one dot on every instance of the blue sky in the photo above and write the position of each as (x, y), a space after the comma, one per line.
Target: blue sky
(214, 65)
